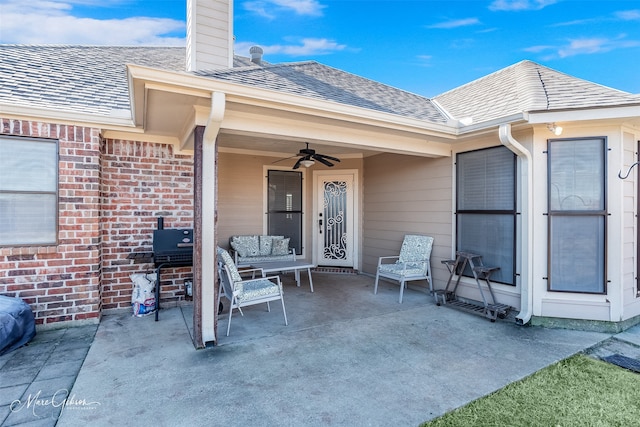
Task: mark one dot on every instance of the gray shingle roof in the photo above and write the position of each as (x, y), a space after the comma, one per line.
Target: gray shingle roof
(88, 79)
(314, 80)
(527, 86)
(92, 79)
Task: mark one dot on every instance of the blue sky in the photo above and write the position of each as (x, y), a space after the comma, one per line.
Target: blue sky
(423, 46)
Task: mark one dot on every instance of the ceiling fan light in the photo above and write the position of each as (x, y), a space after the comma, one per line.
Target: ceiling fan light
(307, 163)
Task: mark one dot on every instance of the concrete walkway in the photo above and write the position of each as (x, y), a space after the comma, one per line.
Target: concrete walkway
(43, 370)
(347, 358)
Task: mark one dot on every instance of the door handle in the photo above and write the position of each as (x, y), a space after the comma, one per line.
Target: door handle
(320, 225)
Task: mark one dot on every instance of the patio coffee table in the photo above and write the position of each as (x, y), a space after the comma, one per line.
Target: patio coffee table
(282, 266)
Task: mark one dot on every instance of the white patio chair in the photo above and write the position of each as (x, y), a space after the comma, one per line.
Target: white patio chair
(413, 263)
(244, 292)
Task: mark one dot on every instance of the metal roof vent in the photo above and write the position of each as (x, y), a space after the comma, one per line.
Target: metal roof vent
(256, 54)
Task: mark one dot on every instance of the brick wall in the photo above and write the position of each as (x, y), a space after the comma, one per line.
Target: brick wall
(140, 182)
(61, 283)
(110, 195)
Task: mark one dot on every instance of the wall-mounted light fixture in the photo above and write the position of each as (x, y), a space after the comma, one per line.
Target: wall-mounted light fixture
(557, 130)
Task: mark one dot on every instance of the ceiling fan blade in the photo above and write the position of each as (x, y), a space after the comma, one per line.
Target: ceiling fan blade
(334, 159)
(322, 160)
(282, 160)
(310, 154)
(298, 163)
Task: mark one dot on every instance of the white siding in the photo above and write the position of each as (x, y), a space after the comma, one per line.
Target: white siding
(209, 34)
(630, 300)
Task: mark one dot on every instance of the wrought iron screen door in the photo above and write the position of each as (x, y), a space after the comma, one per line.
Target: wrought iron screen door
(335, 220)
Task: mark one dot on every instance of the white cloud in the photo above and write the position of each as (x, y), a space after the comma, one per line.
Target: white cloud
(587, 46)
(518, 5)
(628, 15)
(311, 46)
(577, 22)
(270, 8)
(488, 30)
(624, 15)
(583, 46)
(23, 24)
(301, 7)
(424, 60)
(306, 47)
(259, 8)
(456, 23)
(539, 48)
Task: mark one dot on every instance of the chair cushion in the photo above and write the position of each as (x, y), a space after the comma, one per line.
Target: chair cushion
(265, 245)
(415, 248)
(246, 245)
(243, 261)
(280, 246)
(258, 289)
(239, 248)
(228, 261)
(397, 269)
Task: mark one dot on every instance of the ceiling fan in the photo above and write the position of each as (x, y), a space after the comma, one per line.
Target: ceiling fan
(309, 156)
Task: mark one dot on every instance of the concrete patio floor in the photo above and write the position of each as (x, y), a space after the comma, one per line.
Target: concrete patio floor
(347, 358)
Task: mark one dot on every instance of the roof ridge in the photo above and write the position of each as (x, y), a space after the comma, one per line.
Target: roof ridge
(544, 89)
(530, 85)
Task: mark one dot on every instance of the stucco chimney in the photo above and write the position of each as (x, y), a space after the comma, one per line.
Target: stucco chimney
(209, 34)
(256, 54)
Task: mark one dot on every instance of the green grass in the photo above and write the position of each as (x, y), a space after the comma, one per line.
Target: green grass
(578, 391)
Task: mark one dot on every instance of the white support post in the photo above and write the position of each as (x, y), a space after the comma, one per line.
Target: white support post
(208, 215)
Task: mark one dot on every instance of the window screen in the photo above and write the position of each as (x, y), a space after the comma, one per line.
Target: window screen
(284, 216)
(486, 208)
(577, 215)
(28, 191)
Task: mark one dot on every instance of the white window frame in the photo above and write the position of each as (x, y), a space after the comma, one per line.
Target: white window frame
(27, 187)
